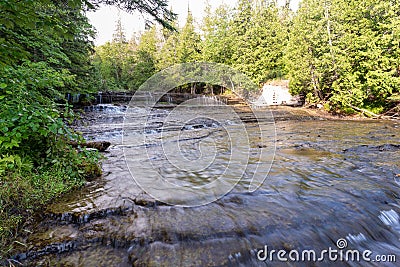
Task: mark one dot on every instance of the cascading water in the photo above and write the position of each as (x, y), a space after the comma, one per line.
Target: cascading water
(331, 180)
(100, 97)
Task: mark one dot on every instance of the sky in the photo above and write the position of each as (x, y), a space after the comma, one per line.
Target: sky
(104, 19)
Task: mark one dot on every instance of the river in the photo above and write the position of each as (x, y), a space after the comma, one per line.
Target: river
(330, 180)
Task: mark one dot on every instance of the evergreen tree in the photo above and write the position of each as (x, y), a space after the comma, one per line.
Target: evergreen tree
(188, 47)
(217, 44)
(167, 55)
(306, 46)
(367, 54)
(119, 33)
(260, 40)
(146, 58)
(346, 52)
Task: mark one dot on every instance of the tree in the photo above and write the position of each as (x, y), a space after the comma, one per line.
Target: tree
(305, 48)
(113, 61)
(119, 33)
(260, 40)
(217, 44)
(188, 49)
(167, 55)
(346, 52)
(168, 52)
(45, 47)
(146, 56)
(367, 54)
(156, 9)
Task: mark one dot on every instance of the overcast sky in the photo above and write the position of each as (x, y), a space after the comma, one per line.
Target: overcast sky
(104, 19)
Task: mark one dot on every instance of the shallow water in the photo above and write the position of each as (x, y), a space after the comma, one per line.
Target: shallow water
(329, 180)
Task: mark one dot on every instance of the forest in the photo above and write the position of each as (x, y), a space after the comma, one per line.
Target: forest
(341, 54)
(45, 52)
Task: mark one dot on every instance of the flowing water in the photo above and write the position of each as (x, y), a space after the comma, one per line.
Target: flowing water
(330, 180)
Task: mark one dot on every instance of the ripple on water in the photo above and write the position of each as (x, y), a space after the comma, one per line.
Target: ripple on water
(330, 180)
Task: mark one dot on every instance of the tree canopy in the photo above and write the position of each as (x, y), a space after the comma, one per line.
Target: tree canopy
(344, 54)
(46, 51)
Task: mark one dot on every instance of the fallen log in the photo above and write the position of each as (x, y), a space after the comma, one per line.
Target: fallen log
(99, 145)
(364, 111)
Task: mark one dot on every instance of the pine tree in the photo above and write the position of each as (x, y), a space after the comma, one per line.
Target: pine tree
(217, 44)
(305, 48)
(346, 52)
(119, 33)
(368, 54)
(146, 57)
(260, 40)
(188, 47)
(167, 55)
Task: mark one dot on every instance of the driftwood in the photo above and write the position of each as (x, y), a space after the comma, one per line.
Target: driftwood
(392, 112)
(364, 111)
(100, 145)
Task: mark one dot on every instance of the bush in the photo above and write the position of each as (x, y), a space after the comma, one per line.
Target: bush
(37, 162)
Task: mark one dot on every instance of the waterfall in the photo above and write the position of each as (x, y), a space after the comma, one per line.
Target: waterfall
(211, 101)
(169, 98)
(100, 98)
(75, 98)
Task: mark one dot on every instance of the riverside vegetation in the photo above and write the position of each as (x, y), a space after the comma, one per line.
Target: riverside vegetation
(343, 54)
(45, 50)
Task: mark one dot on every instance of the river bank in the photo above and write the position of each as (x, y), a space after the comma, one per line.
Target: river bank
(330, 179)
(322, 113)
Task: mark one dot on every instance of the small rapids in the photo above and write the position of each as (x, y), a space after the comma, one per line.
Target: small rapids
(330, 180)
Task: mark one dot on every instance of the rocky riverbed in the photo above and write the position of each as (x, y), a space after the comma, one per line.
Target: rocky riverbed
(330, 180)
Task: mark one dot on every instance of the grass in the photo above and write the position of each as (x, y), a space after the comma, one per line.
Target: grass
(26, 190)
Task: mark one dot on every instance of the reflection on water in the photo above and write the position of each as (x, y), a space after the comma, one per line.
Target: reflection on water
(329, 180)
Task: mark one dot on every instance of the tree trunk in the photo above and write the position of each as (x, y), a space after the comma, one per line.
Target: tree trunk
(314, 79)
(328, 29)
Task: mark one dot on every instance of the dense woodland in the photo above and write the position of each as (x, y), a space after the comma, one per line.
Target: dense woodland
(341, 53)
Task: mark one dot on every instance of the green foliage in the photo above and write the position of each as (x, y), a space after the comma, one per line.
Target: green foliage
(113, 61)
(346, 52)
(188, 49)
(252, 38)
(36, 162)
(125, 66)
(157, 9)
(217, 44)
(43, 56)
(260, 51)
(168, 52)
(45, 52)
(146, 55)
